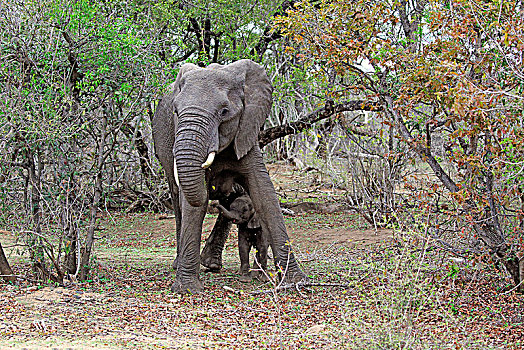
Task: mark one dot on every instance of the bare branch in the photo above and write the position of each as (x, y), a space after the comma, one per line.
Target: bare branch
(267, 136)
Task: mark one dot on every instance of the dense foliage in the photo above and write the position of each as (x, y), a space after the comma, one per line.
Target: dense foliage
(447, 71)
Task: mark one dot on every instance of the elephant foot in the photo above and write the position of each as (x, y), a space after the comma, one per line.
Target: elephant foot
(212, 263)
(296, 276)
(245, 278)
(262, 277)
(192, 286)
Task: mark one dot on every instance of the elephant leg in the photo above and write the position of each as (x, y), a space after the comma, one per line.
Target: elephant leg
(261, 257)
(243, 251)
(187, 280)
(267, 207)
(211, 256)
(175, 200)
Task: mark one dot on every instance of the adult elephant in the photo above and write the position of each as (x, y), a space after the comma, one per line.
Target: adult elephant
(208, 124)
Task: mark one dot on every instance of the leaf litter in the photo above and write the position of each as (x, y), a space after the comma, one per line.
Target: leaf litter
(380, 292)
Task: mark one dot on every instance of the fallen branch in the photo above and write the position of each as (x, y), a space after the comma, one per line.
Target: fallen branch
(232, 290)
(298, 286)
(304, 207)
(14, 277)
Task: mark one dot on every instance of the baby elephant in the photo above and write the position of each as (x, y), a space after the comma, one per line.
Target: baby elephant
(242, 213)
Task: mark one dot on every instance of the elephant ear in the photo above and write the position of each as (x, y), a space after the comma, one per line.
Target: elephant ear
(257, 104)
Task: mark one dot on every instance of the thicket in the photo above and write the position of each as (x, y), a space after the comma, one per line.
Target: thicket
(448, 77)
(413, 108)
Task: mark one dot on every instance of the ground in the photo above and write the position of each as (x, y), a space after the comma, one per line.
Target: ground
(373, 289)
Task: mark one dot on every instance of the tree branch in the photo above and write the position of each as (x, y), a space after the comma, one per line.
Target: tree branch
(267, 136)
(486, 232)
(270, 34)
(75, 75)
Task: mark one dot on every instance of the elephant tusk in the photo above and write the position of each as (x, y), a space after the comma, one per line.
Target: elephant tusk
(176, 172)
(209, 160)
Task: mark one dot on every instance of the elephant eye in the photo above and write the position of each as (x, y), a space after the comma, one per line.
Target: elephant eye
(224, 112)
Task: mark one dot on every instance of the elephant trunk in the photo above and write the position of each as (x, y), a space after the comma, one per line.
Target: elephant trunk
(192, 149)
(227, 214)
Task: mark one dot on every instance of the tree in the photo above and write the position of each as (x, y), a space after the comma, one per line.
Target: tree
(5, 269)
(76, 84)
(451, 70)
(221, 31)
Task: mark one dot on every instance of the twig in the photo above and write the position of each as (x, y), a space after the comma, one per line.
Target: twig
(298, 286)
(514, 288)
(14, 245)
(232, 290)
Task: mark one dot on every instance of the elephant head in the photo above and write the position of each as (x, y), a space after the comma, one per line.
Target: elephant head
(215, 107)
(241, 212)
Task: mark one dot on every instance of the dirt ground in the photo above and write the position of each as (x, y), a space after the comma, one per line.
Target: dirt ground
(128, 303)
(373, 290)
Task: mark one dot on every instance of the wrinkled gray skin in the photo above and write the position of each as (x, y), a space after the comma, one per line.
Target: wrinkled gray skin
(250, 234)
(217, 109)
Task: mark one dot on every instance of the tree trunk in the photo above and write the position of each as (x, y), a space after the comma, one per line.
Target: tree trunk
(515, 267)
(5, 269)
(71, 257)
(35, 241)
(143, 153)
(97, 194)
